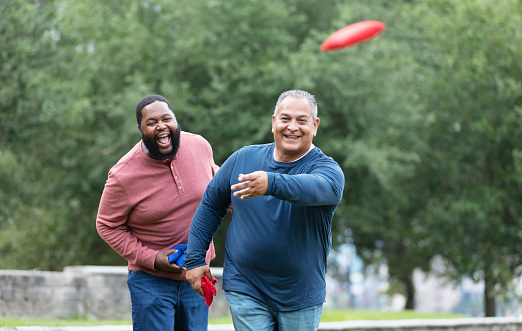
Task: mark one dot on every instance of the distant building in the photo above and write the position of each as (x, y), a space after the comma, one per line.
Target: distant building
(347, 286)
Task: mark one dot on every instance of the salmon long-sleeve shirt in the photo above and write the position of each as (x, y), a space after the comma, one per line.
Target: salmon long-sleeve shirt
(147, 205)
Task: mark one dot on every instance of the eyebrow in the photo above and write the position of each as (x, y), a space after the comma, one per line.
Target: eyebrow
(154, 118)
(299, 116)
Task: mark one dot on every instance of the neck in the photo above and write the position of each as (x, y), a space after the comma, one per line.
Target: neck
(149, 154)
(281, 157)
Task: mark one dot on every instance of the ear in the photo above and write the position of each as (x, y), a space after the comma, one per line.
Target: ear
(273, 123)
(316, 126)
(139, 128)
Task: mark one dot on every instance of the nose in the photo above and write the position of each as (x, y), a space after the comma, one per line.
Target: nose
(161, 126)
(292, 126)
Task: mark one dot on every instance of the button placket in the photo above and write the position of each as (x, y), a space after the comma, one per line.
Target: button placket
(177, 179)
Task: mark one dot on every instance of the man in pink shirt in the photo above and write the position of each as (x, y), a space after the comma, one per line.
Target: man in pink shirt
(146, 208)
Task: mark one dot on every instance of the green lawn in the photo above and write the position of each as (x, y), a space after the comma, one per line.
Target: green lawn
(328, 316)
(14, 321)
(355, 315)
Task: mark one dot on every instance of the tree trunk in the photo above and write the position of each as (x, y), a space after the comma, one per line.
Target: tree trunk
(490, 307)
(410, 292)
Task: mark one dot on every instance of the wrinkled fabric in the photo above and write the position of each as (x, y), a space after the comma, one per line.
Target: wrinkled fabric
(274, 237)
(179, 256)
(147, 207)
(209, 289)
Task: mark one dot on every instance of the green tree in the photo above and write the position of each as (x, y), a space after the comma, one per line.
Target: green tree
(215, 61)
(54, 117)
(28, 51)
(424, 120)
(475, 214)
(398, 131)
(374, 128)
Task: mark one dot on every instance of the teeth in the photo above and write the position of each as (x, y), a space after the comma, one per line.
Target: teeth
(163, 135)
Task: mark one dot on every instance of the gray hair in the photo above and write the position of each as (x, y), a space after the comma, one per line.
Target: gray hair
(298, 94)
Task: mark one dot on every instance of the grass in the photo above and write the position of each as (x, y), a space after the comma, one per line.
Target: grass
(328, 316)
(15, 321)
(356, 315)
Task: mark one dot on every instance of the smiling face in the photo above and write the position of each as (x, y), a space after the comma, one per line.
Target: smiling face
(160, 131)
(294, 128)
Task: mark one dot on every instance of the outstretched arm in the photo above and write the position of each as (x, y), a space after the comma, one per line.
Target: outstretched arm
(323, 186)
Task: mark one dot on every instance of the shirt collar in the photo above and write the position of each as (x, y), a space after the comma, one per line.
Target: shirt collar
(312, 146)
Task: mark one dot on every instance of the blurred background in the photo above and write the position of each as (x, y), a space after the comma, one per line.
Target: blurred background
(425, 120)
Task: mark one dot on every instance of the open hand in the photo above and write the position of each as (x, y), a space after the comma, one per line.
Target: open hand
(251, 185)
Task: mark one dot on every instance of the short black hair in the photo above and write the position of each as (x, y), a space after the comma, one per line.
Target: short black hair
(147, 101)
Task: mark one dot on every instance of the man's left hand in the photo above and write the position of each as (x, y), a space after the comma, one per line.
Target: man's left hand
(251, 185)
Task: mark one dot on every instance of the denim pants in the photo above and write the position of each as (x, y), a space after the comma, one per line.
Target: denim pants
(164, 304)
(249, 313)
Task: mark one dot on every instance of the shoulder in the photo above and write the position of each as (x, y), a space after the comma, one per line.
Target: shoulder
(194, 144)
(322, 160)
(128, 168)
(256, 149)
(127, 160)
(192, 138)
(250, 154)
(318, 154)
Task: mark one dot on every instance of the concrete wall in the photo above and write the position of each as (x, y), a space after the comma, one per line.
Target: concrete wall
(102, 293)
(82, 291)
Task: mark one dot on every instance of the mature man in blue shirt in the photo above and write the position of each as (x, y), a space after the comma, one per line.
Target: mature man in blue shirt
(283, 196)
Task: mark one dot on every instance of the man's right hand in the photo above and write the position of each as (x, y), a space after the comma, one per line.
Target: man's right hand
(194, 277)
(162, 262)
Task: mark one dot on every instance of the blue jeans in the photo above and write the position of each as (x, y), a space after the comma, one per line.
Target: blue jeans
(164, 304)
(249, 313)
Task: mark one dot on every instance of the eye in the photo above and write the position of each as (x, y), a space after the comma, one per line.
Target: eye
(151, 123)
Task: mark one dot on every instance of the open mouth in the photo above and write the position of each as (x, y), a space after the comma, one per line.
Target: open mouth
(163, 140)
(291, 137)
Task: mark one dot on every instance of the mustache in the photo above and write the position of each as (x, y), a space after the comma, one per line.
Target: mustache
(153, 147)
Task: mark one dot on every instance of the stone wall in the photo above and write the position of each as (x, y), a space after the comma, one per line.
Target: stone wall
(101, 293)
(81, 291)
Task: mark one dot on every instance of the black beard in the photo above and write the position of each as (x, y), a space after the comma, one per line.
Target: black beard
(153, 148)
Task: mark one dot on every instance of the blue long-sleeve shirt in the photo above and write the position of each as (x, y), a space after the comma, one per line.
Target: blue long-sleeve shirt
(277, 245)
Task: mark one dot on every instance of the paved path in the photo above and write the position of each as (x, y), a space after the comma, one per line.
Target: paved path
(465, 324)
(216, 327)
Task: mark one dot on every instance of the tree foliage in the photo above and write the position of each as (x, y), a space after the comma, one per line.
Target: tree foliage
(475, 212)
(425, 120)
